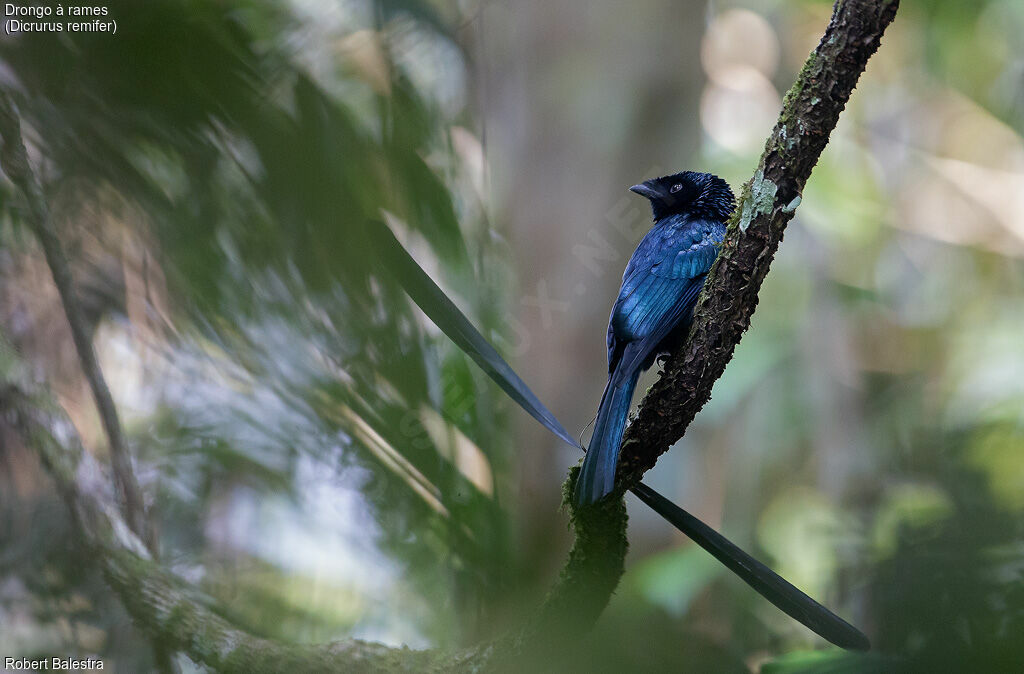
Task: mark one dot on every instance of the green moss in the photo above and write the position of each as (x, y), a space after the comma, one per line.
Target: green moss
(791, 126)
(802, 80)
(569, 485)
(606, 517)
(734, 223)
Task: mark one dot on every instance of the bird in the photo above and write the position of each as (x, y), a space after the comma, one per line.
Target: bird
(654, 308)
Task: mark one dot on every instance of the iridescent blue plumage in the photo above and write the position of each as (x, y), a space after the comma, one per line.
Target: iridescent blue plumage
(655, 304)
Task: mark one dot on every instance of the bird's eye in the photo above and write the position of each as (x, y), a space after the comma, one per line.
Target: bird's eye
(675, 188)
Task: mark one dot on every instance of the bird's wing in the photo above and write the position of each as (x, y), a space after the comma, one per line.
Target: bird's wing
(658, 292)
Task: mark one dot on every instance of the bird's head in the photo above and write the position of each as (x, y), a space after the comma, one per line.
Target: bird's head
(688, 193)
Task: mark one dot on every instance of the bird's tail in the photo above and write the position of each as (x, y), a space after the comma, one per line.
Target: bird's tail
(597, 477)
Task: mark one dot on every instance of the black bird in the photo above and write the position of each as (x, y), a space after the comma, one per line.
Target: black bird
(655, 304)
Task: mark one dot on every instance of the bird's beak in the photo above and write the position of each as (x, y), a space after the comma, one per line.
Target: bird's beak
(645, 190)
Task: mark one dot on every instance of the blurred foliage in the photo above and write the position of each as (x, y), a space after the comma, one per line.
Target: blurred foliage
(325, 463)
(275, 361)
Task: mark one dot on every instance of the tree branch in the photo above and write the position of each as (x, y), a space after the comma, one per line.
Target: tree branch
(14, 161)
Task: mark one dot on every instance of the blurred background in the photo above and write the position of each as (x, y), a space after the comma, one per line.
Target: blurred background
(324, 463)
